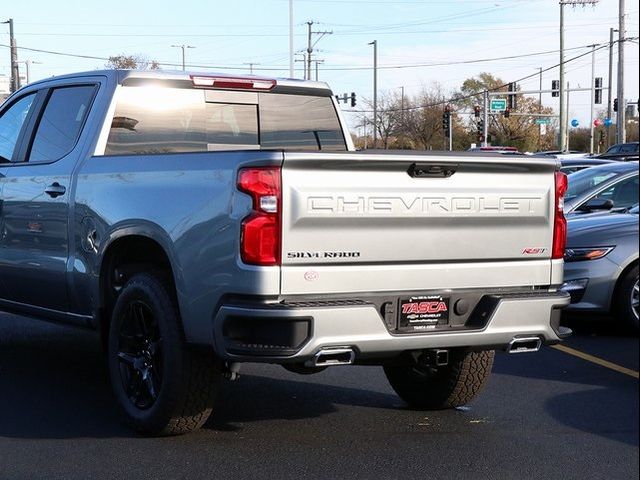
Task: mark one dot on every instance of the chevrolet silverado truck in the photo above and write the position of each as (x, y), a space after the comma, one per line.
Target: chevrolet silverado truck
(199, 221)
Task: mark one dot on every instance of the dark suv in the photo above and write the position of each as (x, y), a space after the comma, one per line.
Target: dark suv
(621, 151)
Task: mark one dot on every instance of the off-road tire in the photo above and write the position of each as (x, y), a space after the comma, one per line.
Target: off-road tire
(190, 379)
(449, 386)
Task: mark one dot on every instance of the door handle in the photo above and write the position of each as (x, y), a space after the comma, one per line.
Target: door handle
(55, 190)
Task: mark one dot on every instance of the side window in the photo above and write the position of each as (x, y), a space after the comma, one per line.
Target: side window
(624, 194)
(11, 123)
(628, 148)
(59, 127)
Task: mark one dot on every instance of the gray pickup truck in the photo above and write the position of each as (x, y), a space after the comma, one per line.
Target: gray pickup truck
(200, 221)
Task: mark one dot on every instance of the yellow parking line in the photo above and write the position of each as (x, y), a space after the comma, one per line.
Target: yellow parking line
(596, 360)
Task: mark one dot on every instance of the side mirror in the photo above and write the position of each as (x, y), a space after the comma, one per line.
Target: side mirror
(596, 204)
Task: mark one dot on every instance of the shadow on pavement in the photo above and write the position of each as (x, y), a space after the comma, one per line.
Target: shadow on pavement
(256, 398)
(606, 412)
(602, 402)
(54, 384)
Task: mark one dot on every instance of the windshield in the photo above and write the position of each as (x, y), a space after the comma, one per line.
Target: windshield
(585, 180)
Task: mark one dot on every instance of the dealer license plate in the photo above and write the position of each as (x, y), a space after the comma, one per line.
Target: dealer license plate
(423, 313)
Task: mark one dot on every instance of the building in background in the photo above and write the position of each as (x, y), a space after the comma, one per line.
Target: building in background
(5, 83)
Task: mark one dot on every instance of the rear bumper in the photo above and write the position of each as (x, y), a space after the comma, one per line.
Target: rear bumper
(295, 332)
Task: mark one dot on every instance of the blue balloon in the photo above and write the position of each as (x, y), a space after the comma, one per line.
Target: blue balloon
(575, 123)
(608, 122)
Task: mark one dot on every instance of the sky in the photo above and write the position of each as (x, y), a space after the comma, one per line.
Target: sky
(420, 43)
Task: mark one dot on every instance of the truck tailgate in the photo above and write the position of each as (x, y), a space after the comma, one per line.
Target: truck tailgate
(361, 222)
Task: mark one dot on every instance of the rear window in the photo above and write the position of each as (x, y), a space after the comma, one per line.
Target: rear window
(152, 120)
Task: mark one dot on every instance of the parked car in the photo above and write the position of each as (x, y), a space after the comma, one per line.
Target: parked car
(554, 153)
(494, 149)
(601, 264)
(621, 152)
(613, 186)
(571, 165)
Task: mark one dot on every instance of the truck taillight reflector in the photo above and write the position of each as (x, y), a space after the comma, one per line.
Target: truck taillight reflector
(260, 241)
(233, 82)
(559, 222)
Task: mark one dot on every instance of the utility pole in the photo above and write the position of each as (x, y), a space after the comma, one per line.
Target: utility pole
(309, 50)
(375, 92)
(183, 47)
(621, 134)
(291, 53)
(310, 45)
(450, 132)
(303, 60)
(485, 127)
(563, 114)
(15, 74)
(402, 124)
(609, 92)
(27, 64)
(566, 120)
(317, 62)
(593, 98)
(540, 111)
(251, 64)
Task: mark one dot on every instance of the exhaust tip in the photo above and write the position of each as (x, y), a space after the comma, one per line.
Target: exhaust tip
(524, 345)
(333, 356)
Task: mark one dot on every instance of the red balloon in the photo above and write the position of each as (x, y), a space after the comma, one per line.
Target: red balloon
(597, 122)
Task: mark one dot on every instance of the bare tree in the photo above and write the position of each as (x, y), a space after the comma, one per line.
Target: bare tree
(423, 119)
(388, 118)
(136, 61)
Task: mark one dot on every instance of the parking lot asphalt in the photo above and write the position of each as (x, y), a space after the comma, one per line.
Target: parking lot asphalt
(549, 414)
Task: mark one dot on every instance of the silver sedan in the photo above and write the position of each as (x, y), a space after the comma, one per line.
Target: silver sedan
(601, 264)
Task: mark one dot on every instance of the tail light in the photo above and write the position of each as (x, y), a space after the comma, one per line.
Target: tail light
(260, 241)
(559, 222)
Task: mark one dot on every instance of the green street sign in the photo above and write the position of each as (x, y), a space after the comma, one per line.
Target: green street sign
(498, 105)
(542, 121)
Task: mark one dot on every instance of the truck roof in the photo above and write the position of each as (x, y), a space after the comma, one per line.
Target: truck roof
(131, 77)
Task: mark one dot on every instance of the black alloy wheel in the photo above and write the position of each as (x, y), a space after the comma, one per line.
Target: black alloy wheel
(140, 355)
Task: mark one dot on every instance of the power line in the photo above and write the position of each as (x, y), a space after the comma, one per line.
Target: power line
(278, 68)
(499, 87)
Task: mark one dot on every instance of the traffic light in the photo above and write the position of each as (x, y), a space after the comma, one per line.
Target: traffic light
(353, 99)
(512, 100)
(476, 111)
(480, 125)
(615, 104)
(598, 90)
(507, 112)
(555, 86)
(446, 121)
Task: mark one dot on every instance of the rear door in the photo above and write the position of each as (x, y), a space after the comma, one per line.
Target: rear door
(366, 223)
(36, 188)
